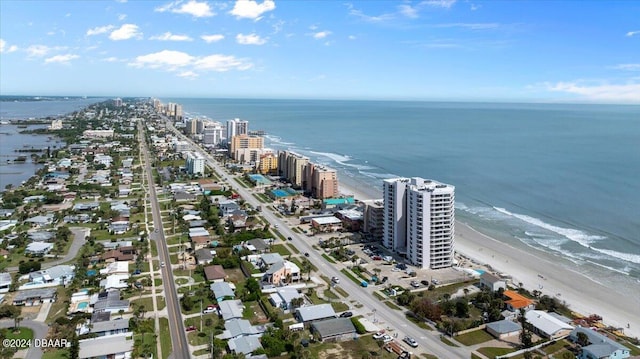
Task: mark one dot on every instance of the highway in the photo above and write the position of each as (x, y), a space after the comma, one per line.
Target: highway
(179, 342)
(428, 341)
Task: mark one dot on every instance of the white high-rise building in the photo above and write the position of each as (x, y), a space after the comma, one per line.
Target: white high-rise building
(195, 163)
(212, 133)
(419, 219)
(236, 127)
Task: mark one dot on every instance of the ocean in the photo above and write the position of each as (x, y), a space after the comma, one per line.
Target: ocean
(22, 108)
(560, 178)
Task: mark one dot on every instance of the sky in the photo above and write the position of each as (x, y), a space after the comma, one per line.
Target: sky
(457, 50)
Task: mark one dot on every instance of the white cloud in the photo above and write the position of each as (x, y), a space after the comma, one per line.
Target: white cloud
(61, 59)
(628, 67)
(111, 59)
(475, 7)
(250, 9)
(321, 34)
(38, 50)
(408, 11)
(187, 65)
(121, 17)
(447, 4)
(192, 7)
(126, 32)
(633, 33)
(4, 48)
(352, 37)
(167, 36)
(100, 30)
(369, 18)
(121, 1)
(625, 93)
(212, 38)
(250, 39)
(222, 63)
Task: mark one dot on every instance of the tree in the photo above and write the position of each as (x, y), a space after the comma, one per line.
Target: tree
(74, 350)
(306, 268)
(525, 334)
(121, 312)
(583, 339)
(462, 309)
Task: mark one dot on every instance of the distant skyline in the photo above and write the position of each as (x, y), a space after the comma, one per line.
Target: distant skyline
(442, 50)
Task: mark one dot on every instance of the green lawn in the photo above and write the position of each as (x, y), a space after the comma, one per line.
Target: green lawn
(491, 352)
(294, 249)
(203, 334)
(280, 249)
(147, 338)
(447, 341)
(165, 338)
(392, 306)
(550, 349)
(22, 333)
(329, 259)
(339, 306)
(363, 347)
(341, 291)
(350, 276)
(418, 322)
(160, 302)
(59, 307)
(57, 354)
(474, 337)
(147, 302)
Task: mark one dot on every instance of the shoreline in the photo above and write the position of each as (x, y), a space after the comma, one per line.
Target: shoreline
(538, 270)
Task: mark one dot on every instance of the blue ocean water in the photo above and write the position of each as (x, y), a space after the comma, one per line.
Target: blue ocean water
(20, 108)
(562, 178)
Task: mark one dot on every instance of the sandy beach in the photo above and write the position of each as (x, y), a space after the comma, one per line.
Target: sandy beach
(541, 271)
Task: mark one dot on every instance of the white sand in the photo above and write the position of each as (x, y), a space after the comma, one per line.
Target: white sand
(542, 271)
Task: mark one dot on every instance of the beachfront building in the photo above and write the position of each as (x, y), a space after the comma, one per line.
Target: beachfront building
(268, 164)
(244, 141)
(599, 346)
(236, 127)
(419, 220)
(548, 326)
(212, 133)
(373, 218)
(291, 167)
(324, 182)
(195, 163)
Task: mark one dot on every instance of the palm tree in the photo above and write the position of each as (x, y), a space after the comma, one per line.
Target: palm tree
(306, 267)
(121, 312)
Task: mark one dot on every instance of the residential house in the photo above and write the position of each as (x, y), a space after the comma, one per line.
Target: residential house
(35, 297)
(238, 219)
(119, 225)
(184, 197)
(116, 267)
(283, 296)
(215, 273)
(282, 272)
(57, 275)
(199, 242)
(115, 281)
(515, 301)
(244, 345)
(38, 248)
(112, 327)
(600, 346)
(204, 256)
(90, 206)
(222, 291)
(41, 236)
(503, 328)
(488, 280)
(235, 328)
(258, 245)
(547, 325)
(6, 212)
(267, 259)
(315, 313)
(332, 330)
(117, 255)
(326, 224)
(5, 282)
(113, 346)
(231, 309)
(41, 221)
(109, 301)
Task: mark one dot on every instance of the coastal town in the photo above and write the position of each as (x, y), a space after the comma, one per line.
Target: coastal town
(151, 234)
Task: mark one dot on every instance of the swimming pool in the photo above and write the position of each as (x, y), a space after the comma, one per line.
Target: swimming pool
(83, 305)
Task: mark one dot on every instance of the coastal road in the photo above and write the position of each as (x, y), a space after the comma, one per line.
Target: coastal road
(40, 331)
(428, 341)
(179, 341)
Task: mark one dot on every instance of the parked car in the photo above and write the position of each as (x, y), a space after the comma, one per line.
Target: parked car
(346, 315)
(191, 328)
(378, 335)
(335, 280)
(415, 284)
(387, 338)
(162, 264)
(209, 310)
(137, 271)
(412, 342)
(424, 282)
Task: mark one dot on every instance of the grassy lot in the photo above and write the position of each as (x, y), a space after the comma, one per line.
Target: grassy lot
(165, 338)
(365, 346)
(147, 338)
(339, 306)
(329, 259)
(161, 302)
(154, 249)
(342, 292)
(474, 337)
(22, 333)
(350, 276)
(491, 352)
(147, 302)
(185, 273)
(294, 249)
(418, 322)
(57, 354)
(550, 349)
(392, 306)
(203, 335)
(379, 296)
(59, 307)
(280, 249)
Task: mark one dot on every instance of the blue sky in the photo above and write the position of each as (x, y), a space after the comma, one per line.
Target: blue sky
(574, 51)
